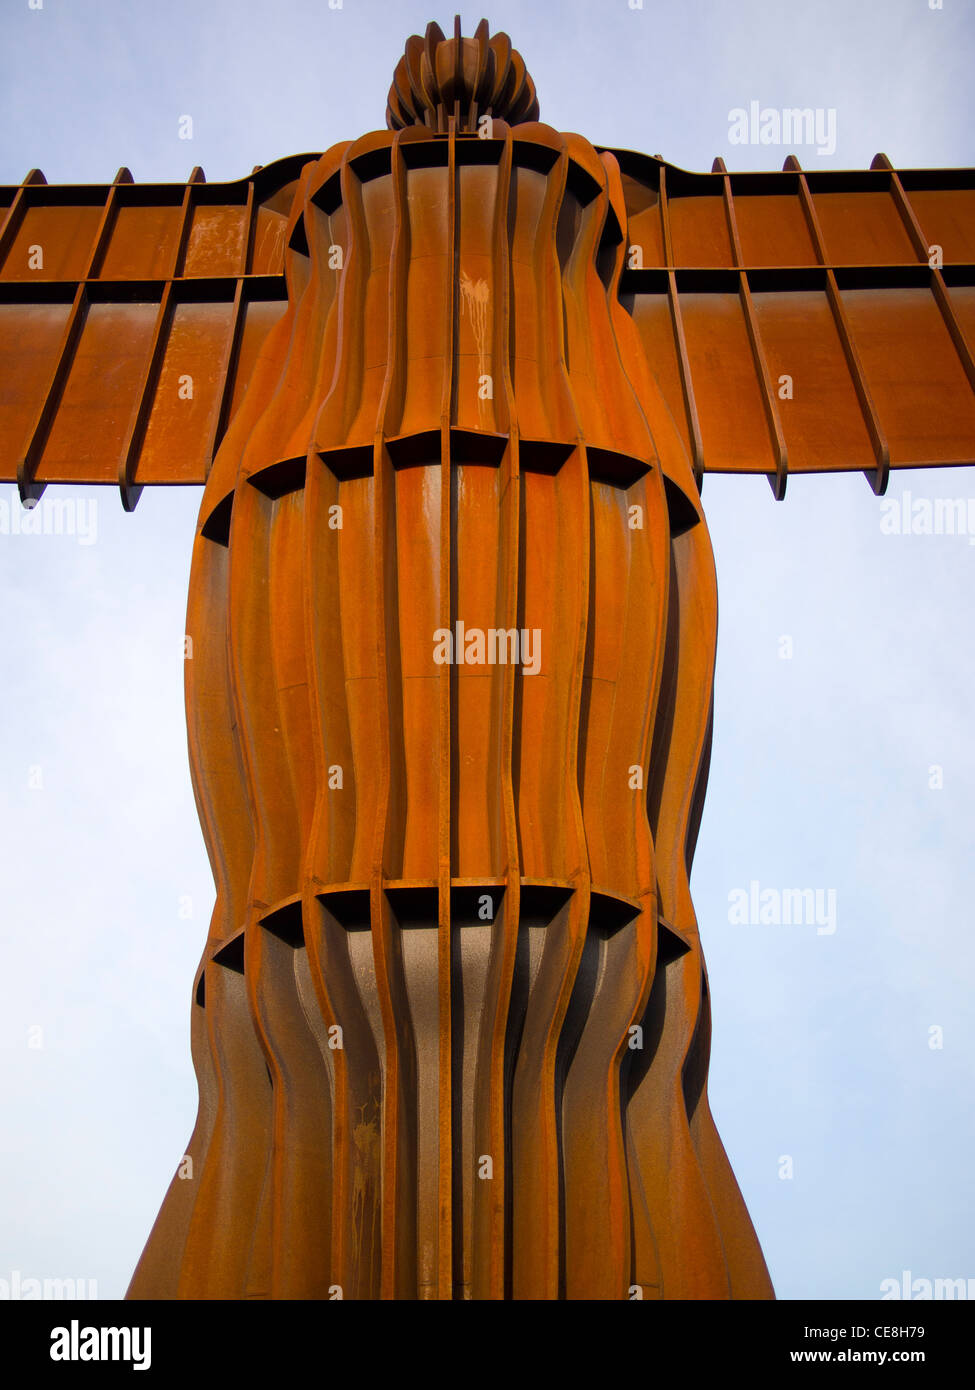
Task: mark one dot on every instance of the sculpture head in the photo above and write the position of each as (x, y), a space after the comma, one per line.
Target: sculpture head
(439, 77)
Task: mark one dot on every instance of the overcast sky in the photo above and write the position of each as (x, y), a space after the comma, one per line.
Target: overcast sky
(821, 770)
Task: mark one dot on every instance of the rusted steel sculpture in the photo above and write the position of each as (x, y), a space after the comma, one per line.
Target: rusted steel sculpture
(453, 621)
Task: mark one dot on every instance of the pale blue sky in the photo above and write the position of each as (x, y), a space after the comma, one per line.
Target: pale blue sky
(820, 770)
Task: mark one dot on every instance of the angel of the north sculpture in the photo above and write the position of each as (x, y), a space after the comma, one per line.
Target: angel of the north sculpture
(450, 390)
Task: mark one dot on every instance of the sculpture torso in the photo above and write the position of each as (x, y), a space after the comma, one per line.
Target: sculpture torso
(451, 1034)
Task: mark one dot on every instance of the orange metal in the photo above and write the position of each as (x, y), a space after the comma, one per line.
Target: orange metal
(453, 613)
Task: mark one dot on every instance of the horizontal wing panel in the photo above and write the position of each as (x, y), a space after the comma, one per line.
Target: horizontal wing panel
(131, 316)
(835, 377)
(132, 391)
(796, 322)
(147, 231)
(822, 423)
(876, 216)
(807, 322)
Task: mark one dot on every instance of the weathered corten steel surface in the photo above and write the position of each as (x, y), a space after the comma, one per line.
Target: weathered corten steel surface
(858, 284)
(453, 614)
